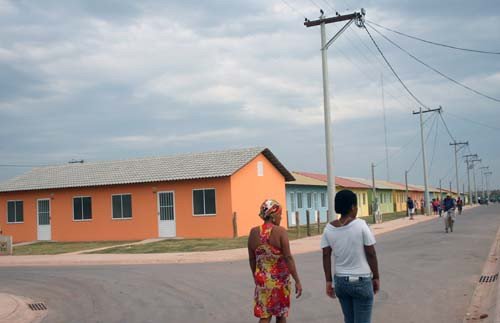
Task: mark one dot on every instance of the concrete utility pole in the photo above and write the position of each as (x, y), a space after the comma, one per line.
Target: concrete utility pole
(426, 193)
(487, 185)
(482, 179)
(457, 146)
(474, 176)
(467, 160)
(440, 191)
(385, 129)
(374, 199)
(357, 17)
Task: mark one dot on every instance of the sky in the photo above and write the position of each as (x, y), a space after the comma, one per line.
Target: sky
(120, 79)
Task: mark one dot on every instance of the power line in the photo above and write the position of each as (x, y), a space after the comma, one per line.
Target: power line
(434, 43)
(18, 165)
(433, 69)
(314, 3)
(293, 9)
(473, 121)
(393, 71)
(446, 126)
(434, 149)
(426, 139)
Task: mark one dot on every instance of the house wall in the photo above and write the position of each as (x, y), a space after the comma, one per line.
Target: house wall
(385, 200)
(142, 225)
(399, 198)
(248, 191)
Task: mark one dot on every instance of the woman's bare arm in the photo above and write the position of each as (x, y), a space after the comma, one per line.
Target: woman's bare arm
(251, 251)
(290, 262)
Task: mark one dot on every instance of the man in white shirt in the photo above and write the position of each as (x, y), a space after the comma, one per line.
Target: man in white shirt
(350, 244)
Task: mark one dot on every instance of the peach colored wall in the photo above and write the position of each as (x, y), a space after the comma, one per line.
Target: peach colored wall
(142, 225)
(249, 191)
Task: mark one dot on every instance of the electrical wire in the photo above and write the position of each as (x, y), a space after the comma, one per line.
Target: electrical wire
(293, 9)
(393, 71)
(446, 126)
(425, 142)
(473, 121)
(432, 42)
(433, 149)
(433, 69)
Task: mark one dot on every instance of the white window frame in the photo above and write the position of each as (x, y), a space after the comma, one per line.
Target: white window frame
(301, 200)
(15, 212)
(73, 207)
(204, 209)
(292, 201)
(322, 199)
(121, 200)
(309, 200)
(260, 168)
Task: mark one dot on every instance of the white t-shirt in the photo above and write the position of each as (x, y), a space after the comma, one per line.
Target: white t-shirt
(347, 243)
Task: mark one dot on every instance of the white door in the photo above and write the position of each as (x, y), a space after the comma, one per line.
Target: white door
(43, 219)
(166, 214)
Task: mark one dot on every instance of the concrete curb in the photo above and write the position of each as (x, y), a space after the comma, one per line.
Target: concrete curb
(14, 309)
(485, 301)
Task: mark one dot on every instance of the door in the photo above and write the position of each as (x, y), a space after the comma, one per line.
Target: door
(166, 214)
(43, 219)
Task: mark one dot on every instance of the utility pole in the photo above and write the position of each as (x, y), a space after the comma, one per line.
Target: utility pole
(374, 199)
(487, 185)
(426, 193)
(440, 192)
(357, 17)
(467, 160)
(457, 146)
(482, 179)
(385, 129)
(451, 193)
(474, 176)
(463, 191)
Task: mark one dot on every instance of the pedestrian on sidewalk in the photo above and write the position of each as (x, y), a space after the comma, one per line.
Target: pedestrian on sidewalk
(350, 244)
(272, 264)
(440, 207)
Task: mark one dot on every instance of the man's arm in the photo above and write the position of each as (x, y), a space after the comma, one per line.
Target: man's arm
(371, 258)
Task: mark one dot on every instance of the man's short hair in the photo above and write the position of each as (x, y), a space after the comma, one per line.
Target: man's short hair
(344, 200)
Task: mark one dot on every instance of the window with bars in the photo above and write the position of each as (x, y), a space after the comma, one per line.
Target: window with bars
(82, 208)
(292, 201)
(15, 212)
(122, 206)
(204, 202)
(323, 200)
(309, 200)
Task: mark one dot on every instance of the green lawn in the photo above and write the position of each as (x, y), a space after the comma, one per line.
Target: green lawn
(54, 248)
(180, 245)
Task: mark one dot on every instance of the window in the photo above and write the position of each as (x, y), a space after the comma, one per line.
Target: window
(315, 200)
(364, 198)
(15, 212)
(122, 206)
(292, 201)
(204, 202)
(260, 169)
(309, 200)
(82, 208)
(323, 200)
(299, 200)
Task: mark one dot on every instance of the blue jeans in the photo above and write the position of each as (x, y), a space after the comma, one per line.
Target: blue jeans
(356, 299)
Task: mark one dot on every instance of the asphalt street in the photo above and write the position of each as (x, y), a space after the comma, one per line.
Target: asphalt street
(426, 276)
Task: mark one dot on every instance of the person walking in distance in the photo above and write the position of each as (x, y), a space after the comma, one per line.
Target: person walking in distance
(409, 207)
(449, 209)
(272, 264)
(460, 205)
(349, 243)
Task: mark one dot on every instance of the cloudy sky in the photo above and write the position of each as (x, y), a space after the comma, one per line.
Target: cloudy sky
(119, 79)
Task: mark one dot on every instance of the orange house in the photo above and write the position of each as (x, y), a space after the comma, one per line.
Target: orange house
(187, 196)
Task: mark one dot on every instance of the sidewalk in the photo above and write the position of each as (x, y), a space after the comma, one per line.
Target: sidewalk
(304, 245)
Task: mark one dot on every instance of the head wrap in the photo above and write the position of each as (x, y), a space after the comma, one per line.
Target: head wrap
(269, 208)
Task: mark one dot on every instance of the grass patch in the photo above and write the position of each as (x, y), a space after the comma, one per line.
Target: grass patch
(190, 245)
(386, 217)
(54, 248)
(180, 245)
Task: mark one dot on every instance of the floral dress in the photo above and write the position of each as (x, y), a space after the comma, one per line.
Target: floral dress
(272, 278)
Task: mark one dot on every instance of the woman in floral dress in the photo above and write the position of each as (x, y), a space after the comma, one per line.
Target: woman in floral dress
(272, 264)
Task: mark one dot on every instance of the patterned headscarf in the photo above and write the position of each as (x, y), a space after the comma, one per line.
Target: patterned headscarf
(269, 208)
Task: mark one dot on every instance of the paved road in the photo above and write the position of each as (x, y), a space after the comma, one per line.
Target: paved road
(426, 276)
